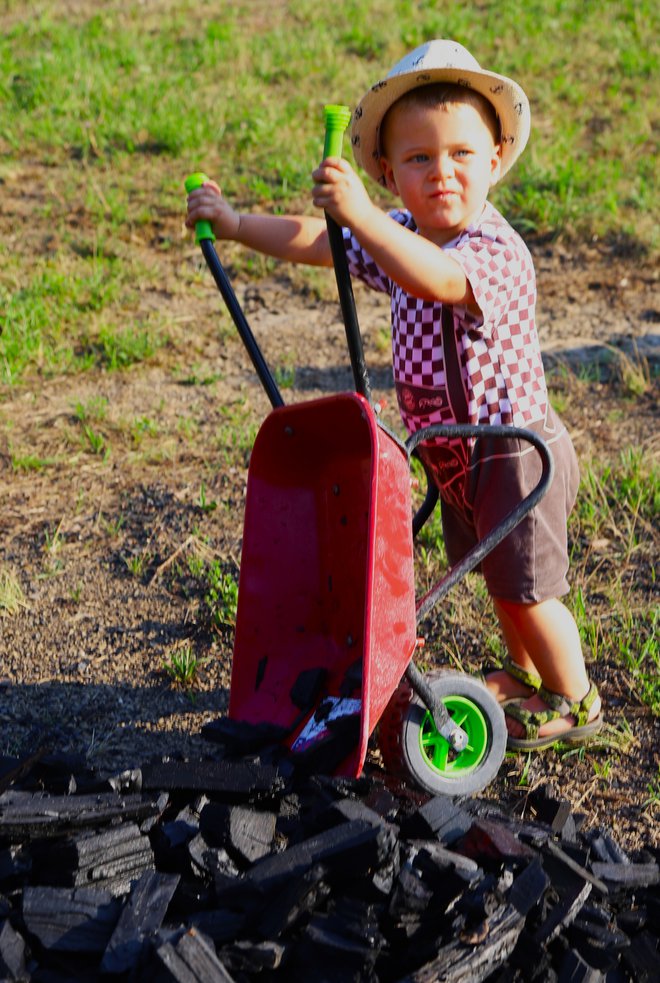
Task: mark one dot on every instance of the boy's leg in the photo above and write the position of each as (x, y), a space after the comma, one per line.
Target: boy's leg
(500, 682)
(545, 635)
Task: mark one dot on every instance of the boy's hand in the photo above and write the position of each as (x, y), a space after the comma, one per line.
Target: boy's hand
(341, 193)
(207, 203)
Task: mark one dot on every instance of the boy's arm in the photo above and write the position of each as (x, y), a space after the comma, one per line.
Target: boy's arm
(298, 239)
(419, 266)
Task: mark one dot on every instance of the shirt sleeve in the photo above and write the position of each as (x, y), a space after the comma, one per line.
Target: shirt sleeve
(362, 265)
(492, 266)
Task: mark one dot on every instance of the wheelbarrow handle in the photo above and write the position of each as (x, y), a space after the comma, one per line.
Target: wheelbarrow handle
(204, 236)
(427, 507)
(509, 522)
(337, 119)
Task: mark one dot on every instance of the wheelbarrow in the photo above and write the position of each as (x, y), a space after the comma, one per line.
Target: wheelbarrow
(327, 617)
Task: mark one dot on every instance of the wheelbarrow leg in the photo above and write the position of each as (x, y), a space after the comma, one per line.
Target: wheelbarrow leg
(452, 733)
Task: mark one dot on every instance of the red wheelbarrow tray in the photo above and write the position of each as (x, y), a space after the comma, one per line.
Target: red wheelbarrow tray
(326, 576)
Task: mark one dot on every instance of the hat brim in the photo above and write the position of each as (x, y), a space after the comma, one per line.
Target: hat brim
(505, 95)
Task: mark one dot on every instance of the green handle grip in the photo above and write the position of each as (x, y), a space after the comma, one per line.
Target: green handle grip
(203, 229)
(337, 119)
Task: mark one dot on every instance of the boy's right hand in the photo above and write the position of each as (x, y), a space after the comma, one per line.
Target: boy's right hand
(206, 203)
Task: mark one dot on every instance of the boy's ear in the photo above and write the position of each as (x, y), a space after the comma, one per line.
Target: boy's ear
(496, 164)
(388, 174)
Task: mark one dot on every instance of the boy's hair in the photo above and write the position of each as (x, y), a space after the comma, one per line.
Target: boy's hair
(446, 94)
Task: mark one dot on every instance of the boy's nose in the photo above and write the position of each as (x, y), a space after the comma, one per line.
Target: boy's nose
(443, 166)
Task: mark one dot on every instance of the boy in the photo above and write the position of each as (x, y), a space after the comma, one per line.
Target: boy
(438, 132)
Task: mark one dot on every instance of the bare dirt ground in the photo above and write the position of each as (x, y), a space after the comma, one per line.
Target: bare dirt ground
(100, 541)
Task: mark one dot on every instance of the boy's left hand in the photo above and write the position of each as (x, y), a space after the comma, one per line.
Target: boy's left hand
(340, 192)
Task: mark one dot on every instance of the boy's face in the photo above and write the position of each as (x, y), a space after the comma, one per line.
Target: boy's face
(441, 161)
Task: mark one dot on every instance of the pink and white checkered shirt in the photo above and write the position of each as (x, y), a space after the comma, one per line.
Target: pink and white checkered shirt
(501, 368)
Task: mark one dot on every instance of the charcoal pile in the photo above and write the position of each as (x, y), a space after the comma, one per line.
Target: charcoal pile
(238, 868)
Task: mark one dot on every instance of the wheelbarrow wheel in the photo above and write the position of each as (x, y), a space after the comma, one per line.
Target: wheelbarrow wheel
(412, 747)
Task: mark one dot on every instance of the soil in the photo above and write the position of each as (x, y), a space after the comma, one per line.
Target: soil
(102, 542)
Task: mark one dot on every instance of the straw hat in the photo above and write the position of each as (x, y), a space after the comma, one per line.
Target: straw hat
(440, 61)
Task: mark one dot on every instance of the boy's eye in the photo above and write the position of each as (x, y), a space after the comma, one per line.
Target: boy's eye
(462, 153)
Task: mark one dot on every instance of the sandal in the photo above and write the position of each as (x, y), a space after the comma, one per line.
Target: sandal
(530, 679)
(559, 707)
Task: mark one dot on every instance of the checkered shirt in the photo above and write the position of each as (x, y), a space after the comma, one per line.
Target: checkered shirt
(500, 358)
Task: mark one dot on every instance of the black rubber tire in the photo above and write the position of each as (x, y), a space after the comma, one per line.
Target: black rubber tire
(405, 721)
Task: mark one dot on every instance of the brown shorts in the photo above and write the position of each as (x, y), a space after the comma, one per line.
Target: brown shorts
(531, 563)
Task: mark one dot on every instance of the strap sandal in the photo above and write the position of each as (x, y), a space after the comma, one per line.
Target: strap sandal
(558, 707)
(530, 679)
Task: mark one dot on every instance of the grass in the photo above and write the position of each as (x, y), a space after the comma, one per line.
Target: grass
(118, 101)
(105, 107)
(183, 666)
(12, 598)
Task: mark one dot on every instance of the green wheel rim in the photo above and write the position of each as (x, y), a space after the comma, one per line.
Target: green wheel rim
(437, 751)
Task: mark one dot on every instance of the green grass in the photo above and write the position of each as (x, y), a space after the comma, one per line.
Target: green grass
(183, 666)
(183, 81)
(119, 101)
(104, 108)
(612, 531)
(12, 598)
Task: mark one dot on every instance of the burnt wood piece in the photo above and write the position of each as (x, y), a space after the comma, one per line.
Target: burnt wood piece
(489, 840)
(239, 780)
(574, 969)
(351, 850)
(445, 859)
(221, 925)
(439, 817)
(191, 960)
(426, 885)
(533, 833)
(240, 737)
(383, 801)
(252, 957)
(179, 831)
(15, 864)
(357, 918)
(529, 887)
(12, 953)
(555, 813)
(346, 810)
(642, 959)
(562, 913)
(298, 898)
(111, 859)
(463, 960)
(628, 875)
(592, 937)
(126, 782)
(245, 833)
(559, 854)
(79, 920)
(13, 769)
(212, 862)
(327, 938)
(62, 773)
(605, 848)
(141, 917)
(36, 814)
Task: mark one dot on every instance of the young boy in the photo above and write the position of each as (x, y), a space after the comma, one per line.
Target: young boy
(439, 132)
